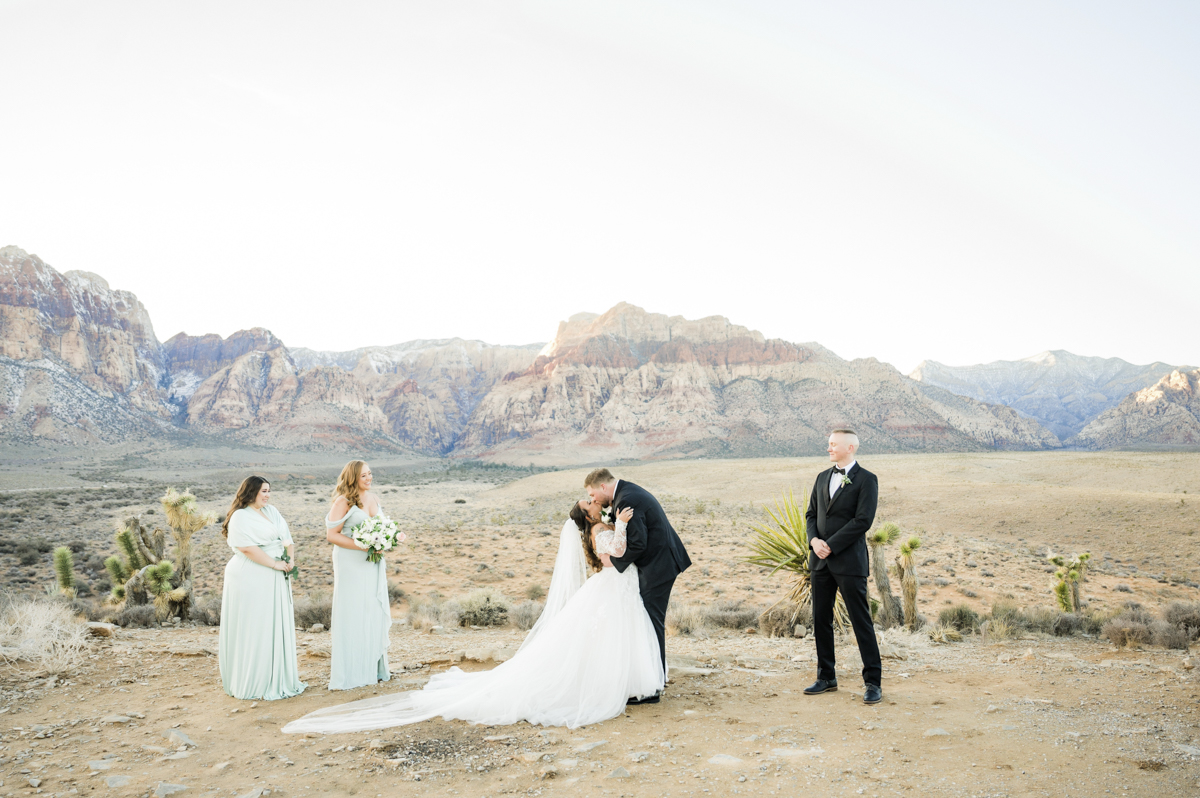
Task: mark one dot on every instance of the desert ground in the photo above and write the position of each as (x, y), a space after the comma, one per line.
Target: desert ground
(1032, 715)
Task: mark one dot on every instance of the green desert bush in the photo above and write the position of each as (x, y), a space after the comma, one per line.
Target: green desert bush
(1067, 624)
(312, 610)
(484, 607)
(535, 592)
(1007, 610)
(960, 616)
(525, 614)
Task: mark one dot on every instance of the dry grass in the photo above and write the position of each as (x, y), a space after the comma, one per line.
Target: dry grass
(41, 637)
(432, 611)
(314, 610)
(525, 614)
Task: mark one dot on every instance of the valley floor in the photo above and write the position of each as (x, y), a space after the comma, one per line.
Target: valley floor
(1029, 717)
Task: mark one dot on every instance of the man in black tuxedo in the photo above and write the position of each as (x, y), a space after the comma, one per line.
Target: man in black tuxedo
(650, 543)
(840, 511)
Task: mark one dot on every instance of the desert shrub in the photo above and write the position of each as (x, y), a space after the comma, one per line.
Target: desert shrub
(687, 619)
(396, 593)
(1001, 628)
(1008, 611)
(484, 607)
(781, 619)
(525, 614)
(1092, 621)
(1168, 636)
(87, 610)
(40, 636)
(313, 610)
(535, 592)
(432, 611)
(731, 615)
(1039, 619)
(136, 615)
(1067, 624)
(961, 617)
(1184, 615)
(207, 611)
(1124, 631)
(1122, 588)
(940, 633)
(1136, 612)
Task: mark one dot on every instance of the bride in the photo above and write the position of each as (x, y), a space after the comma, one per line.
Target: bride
(592, 649)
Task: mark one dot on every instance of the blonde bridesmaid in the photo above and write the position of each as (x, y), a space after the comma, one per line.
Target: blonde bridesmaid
(257, 649)
(362, 613)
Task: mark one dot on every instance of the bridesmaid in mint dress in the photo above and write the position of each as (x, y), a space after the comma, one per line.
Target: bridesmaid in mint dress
(257, 652)
(362, 613)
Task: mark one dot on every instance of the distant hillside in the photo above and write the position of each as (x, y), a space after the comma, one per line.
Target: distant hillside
(1062, 391)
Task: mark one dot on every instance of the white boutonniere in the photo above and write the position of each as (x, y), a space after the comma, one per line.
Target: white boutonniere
(845, 480)
(606, 515)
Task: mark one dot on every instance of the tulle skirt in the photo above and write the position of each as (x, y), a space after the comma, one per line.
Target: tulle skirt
(594, 655)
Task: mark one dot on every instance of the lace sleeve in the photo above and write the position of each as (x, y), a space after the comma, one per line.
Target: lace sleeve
(612, 541)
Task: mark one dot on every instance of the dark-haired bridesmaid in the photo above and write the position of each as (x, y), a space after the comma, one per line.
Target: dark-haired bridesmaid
(257, 653)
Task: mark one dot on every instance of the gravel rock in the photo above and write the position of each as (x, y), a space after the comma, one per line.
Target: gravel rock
(724, 759)
(178, 737)
(583, 748)
(317, 627)
(116, 781)
(619, 773)
(97, 629)
(164, 789)
(936, 733)
(101, 764)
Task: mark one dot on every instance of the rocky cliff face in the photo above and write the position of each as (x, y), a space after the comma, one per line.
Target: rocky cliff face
(74, 336)
(79, 362)
(1165, 414)
(632, 384)
(1062, 391)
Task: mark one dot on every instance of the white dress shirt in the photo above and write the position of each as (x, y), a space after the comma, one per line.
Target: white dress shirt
(835, 480)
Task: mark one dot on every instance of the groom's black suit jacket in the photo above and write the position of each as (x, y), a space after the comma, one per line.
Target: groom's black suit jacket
(650, 541)
(843, 521)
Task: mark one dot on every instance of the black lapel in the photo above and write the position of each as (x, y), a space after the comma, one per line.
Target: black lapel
(837, 495)
(823, 488)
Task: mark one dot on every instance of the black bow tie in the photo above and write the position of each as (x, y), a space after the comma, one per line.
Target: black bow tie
(838, 470)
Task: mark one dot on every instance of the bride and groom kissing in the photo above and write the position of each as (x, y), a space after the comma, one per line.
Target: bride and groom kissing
(600, 642)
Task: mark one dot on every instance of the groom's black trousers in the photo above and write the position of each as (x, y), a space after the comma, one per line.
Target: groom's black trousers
(825, 585)
(655, 599)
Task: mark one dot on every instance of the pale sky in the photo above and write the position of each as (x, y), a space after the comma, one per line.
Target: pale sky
(960, 182)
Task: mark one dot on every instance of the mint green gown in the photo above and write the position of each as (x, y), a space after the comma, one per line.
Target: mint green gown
(362, 613)
(257, 652)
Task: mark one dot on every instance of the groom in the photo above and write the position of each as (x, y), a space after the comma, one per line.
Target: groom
(840, 511)
(650, 543)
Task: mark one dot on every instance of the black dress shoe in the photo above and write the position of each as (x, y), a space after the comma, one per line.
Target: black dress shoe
(822, 686)
(872, 694)
(650, 699)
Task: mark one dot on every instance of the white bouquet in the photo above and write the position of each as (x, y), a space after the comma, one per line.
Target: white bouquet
(377, 535)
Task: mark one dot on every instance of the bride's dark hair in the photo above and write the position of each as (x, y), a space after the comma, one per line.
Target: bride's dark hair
(585, 536)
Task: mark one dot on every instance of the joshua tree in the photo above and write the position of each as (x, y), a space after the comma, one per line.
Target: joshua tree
(147, 573)
(889, 605)
(1071, 574)
(64, 569)
(780, 542)
(908, 580)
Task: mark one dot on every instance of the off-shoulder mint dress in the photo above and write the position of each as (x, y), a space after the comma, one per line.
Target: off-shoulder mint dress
(257, 652)
(362, 613)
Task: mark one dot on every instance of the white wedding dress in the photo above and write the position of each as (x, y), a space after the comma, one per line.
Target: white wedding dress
(591, 650)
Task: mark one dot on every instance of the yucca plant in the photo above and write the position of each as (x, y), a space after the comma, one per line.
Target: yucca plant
(889, 605)
(64, 569)
(1071, 574)
(780, 543)
(147, 574)
(908, 581)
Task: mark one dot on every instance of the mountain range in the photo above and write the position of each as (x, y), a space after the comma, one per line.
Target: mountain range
(80, 363)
